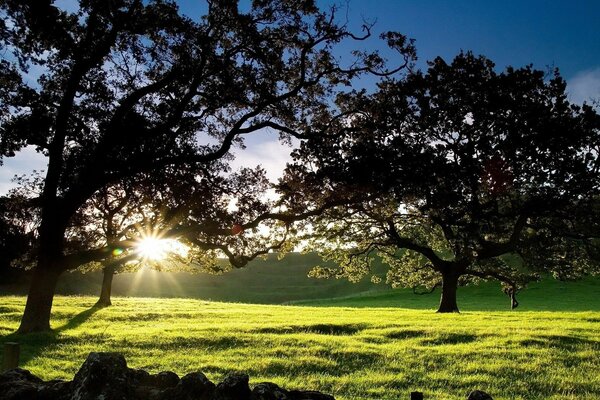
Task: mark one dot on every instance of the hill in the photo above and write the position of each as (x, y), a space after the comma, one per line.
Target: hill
(285, 281)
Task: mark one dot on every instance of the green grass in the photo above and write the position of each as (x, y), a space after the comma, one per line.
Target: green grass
(353, 353)
(547, 295)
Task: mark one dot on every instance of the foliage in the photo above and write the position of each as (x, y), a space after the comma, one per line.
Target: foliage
(459, 167)
(353, 353)
(133, 91)
(15, 236)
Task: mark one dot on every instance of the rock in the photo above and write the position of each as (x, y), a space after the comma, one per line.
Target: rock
(148, 393)
(102, 376)
(269, 391)
(151, 387)
(138, 376)
(56, 389)
(308, 395)
(479, 395)
(162, 380)
(19, 384)
(416, 396)
(234, 387)
(105, 376)
(194, 386)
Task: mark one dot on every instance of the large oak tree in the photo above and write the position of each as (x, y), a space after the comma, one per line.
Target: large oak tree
(465, 173)
(132, 87)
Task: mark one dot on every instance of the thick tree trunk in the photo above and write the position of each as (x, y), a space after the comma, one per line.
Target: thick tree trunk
(449, 287)
(107, 279)
(36, 317)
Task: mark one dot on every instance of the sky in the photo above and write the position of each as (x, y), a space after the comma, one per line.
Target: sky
(551, 33)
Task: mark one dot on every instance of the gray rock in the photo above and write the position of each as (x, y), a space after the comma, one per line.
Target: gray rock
(19, 384)
(479, 395)
(56, 389)
(269, 391)
(162, 380)
(102, 376)
(234, 387)
(194, 386)
(105, 376)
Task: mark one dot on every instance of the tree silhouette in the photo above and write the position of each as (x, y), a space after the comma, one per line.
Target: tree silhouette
(131, 87)
(465, 173)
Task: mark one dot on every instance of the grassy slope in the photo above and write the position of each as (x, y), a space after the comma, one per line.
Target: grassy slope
(355, 353)
(270, 281)
(274, 281)
(548, 295)
(369, 351)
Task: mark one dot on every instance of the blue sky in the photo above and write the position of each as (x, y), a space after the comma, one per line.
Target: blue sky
(511, 32)
(545, 33)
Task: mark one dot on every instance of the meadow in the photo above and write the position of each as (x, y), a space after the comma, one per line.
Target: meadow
(368, 351)
(356, 341)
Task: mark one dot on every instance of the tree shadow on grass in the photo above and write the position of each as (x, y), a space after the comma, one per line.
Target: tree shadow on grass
(35, 344)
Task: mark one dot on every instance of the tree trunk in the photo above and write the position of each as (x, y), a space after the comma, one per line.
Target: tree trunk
(449, 287)
(107, 278)
(513, 299)
(36, 317)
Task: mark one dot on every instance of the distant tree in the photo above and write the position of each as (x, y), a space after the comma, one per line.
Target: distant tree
(464, 173)
(113, 216)
(131, 87)
(168, 227)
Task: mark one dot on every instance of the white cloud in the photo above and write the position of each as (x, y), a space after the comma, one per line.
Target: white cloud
(24, 162)
(584, 86)
(265, 150)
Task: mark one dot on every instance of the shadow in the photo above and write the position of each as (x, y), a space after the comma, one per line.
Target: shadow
(563, 342)
(406, 334)
(34, 344)
(450, 338)
(79, 319)
(319, 329)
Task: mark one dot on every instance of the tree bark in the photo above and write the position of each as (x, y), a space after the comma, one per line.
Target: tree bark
(107, 279)
(449, 287)
(36, 317)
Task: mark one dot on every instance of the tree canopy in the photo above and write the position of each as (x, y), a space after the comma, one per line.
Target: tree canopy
(465, 173)
(129, 88)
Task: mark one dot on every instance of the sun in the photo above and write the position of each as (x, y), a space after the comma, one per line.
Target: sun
(157, 249)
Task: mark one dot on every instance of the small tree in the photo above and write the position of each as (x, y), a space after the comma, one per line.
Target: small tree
(131, 87)
(165, 225)
(466, 174)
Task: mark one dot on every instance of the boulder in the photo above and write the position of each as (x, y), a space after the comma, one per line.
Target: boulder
(162, 380)
(102, 376)
(19, 384)
(479, 395)
(234, 387)
(269, 391)
(106, 376)
(56, 389)
(194, 386)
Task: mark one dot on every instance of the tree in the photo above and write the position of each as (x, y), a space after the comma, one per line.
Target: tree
(465, 173)
(166, 225)
(113, 215)
(131, 87)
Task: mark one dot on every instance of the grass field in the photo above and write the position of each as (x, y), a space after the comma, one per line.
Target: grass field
(361, 352)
